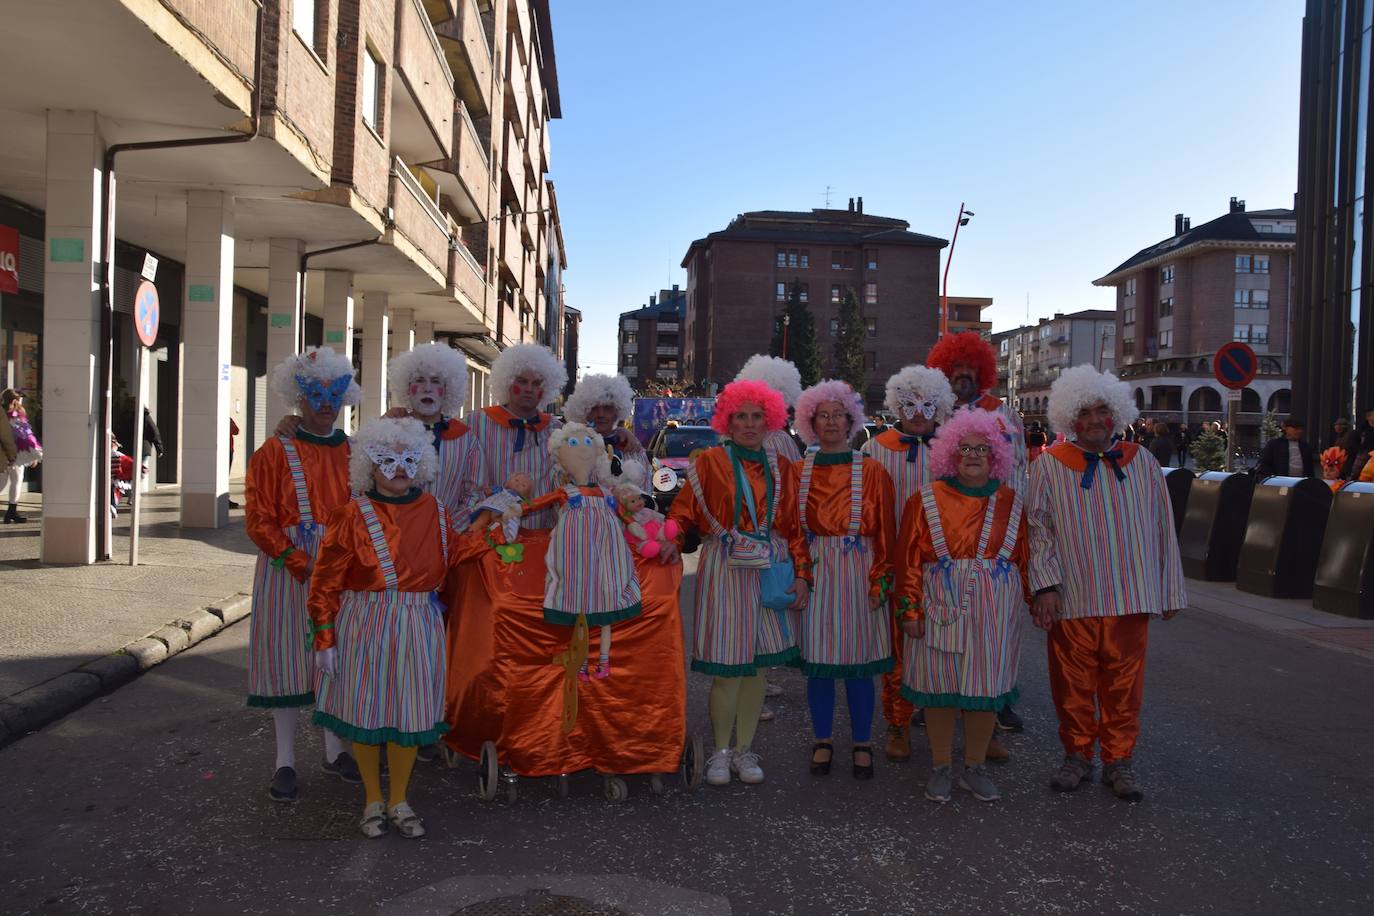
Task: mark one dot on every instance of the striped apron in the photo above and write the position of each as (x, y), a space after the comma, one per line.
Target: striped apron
(841, 636)
(390, 685)
(281, 665)
(975, 609)
(589, 568)
(735, 634)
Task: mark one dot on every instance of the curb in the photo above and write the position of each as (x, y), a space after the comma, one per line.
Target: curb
(31, 709)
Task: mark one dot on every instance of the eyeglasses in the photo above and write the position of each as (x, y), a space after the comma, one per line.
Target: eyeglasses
(982, 451)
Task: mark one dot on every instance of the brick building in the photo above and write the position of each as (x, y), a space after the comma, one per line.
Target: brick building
(1030, 358)
(1180, 299)
(650, 339)
(966, 314)
(738, 281)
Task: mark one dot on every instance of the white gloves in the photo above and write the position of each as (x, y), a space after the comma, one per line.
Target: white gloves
(327, 660)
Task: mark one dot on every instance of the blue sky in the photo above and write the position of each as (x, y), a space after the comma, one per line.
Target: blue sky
(1074, 130)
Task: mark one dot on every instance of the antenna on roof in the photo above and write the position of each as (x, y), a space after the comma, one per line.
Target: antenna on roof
(827, 197)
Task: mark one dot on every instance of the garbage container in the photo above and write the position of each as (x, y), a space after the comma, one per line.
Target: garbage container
(1345, 569)
(1180, 483)
(1214, 525)
(1283, 537)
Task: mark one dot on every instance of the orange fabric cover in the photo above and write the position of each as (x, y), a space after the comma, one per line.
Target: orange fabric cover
(503, 685)
(1098, 664)
(269, 496)
(961, 517)
(1071, 456)
(348, 561)
(456, 430)
(827, 510)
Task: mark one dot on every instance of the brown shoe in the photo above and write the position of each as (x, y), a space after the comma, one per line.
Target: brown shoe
(898, 743)
(997, 751)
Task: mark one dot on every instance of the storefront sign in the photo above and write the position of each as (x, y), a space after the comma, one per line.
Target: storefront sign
(9, 259)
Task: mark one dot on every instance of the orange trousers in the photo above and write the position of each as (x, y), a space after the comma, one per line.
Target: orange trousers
(1097, 679)
(896, 708)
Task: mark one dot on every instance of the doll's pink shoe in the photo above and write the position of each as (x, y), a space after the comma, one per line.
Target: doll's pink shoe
(603, 671)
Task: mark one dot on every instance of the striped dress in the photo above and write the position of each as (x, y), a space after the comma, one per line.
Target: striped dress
(908, 464)
(508, 445)
(781, 444)
(1012, 431)
(845, 505)
(460, 480)
(589, 567)
(734, 634)
(964, 575)
(1104, 537)
(373, 597)
(291, 487)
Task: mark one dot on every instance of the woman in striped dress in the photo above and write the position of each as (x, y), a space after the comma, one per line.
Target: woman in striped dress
(294, 482)
(378, 622)
(782, 376)
(743, 502)
(963, 596)
(845, 508)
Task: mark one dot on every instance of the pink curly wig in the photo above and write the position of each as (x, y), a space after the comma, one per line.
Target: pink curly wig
(823, 393)
(944, 448)
(971, 350)
(736, 394)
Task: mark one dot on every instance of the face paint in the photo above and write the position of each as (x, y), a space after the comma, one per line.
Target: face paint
(426, 395)
(912, 408)
(391, 462)
(319, 395)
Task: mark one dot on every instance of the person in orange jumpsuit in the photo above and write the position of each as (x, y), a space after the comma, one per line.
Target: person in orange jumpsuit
(743, 502)
(293, 483)
(962, 597)
(378, 624)
(845, 510)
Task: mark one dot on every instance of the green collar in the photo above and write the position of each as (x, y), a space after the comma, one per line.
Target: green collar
(984, 491)
(377, 497)
(337, 437)
(828, 458)
(757, 456)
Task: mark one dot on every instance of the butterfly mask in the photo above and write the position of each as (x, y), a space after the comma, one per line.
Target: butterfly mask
(391, 462)
(912, 408)
(320, 395)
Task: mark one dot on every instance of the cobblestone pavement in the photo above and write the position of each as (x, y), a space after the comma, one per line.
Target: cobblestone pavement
(153, 800)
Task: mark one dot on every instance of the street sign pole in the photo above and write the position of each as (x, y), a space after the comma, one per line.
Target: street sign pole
(1232, 400)
(141, 357)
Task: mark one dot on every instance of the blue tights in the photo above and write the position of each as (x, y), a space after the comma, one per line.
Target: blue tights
(858, 693)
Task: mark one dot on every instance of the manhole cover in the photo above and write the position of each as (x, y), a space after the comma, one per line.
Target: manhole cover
(540, 902)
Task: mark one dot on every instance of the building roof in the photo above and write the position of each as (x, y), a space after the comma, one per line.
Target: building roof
(837, 227)
(1223, 232)
(659, 311)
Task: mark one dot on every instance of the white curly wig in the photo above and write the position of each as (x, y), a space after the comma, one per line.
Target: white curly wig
(920, 383)
(777, 373)
(559, 437)
(1082, 386)
(597, 390)
(425, 360)
(316, 362)
(535, 359)
(399, 434)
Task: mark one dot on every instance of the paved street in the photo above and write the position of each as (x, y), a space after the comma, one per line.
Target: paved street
(152, 800)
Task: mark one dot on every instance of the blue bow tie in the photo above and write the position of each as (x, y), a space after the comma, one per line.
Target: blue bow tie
(1094, 459)
(520, 425)
(439, 429)
(913, 445)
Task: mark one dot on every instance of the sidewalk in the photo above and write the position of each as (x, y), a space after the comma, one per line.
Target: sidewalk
(71, 633)
(1293, 617)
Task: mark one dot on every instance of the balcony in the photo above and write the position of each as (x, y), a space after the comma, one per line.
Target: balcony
(520, 30)
(629, 324)
(464, 40)
(441, 10)
(512, 252)
(422, 97)
(227, 25)
(466, 277)
(630, 349)
(465, 178)
(418, 218)
(515, 186)
(666, 351)
(517, 96)
(667, 327)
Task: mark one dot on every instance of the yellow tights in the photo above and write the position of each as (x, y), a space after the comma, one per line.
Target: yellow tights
(978, 727)
(399, 760)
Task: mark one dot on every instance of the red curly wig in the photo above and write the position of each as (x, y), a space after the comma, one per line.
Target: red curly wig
(736, 394)
(969, 349)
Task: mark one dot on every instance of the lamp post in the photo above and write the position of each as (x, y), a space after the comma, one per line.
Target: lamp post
(963, 219)
(786, 320)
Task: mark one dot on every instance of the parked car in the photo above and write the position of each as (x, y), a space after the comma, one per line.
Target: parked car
(674, 447)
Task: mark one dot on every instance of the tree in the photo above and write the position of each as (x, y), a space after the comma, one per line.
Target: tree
(849, 343)
(1270, 428)
(1209, 450)
(798, 327)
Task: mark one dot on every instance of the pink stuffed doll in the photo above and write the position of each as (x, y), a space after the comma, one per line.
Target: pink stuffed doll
(647, 531)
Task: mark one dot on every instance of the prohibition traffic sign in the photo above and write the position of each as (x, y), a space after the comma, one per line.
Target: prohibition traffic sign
(146, 313)
(1235, 365)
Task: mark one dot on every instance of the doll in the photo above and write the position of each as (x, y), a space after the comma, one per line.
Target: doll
(1331, 461)
(647, 531)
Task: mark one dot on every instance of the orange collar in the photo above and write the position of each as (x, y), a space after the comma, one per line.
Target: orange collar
(503, 416)
(1071, 456)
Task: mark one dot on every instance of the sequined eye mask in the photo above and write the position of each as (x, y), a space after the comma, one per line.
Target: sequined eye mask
(911, 407)
(319, 395)
(391, 463)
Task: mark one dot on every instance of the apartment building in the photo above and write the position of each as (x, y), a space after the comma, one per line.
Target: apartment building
(1030, 358)
(360, 173)
(966, 314)
(650, 339)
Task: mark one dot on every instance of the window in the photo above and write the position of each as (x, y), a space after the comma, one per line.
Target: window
(834, 326)
(835, 263)
(870, 294)
(841, 260)
(631, 336)
(1242, 263)
(782, 258)
(870, 360)
(836, 292)
(871, 257)
(1128, 316)
(781, 292)
(805, 259)
(1166, 307)
(792, 258)
(1259, 298)
(1166, 338)
(372, 90)
(871, 324)
(1252, 333)
(303, 20)
(804, 290)
(1166, 275)
(1261, 263)
(1130, 287)
(1127, 344)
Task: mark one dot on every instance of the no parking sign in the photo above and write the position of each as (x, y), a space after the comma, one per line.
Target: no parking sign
(147, 313)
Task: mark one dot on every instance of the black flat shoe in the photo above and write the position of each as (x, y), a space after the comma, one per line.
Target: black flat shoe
(863, 770)
(821, 767)
(283, 788)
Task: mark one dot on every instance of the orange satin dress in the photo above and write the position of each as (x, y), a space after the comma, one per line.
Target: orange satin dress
(269, 506)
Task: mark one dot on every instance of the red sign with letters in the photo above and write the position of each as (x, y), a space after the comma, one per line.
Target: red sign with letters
(9, 259)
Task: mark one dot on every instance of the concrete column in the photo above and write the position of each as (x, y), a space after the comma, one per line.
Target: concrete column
(402, 330)
(72, 503)
(338, 323)
(424, 332)
(376, 328)
(206, 368)
(283, 299)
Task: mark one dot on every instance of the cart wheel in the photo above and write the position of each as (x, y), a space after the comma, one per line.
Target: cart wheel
(693, 759)
(561, 781)
(656, 784)
(616, 790)
(450, 757)
(487, 777)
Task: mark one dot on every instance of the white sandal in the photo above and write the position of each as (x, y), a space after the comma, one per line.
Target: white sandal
(373, 823)
(406, 821)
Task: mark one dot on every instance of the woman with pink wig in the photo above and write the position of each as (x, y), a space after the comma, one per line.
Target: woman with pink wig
(962, 596)
(845, 508)
(744, 504)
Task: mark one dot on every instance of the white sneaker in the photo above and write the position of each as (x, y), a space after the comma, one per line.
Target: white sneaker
(746, 767)
(718, 768)
(766, 714)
